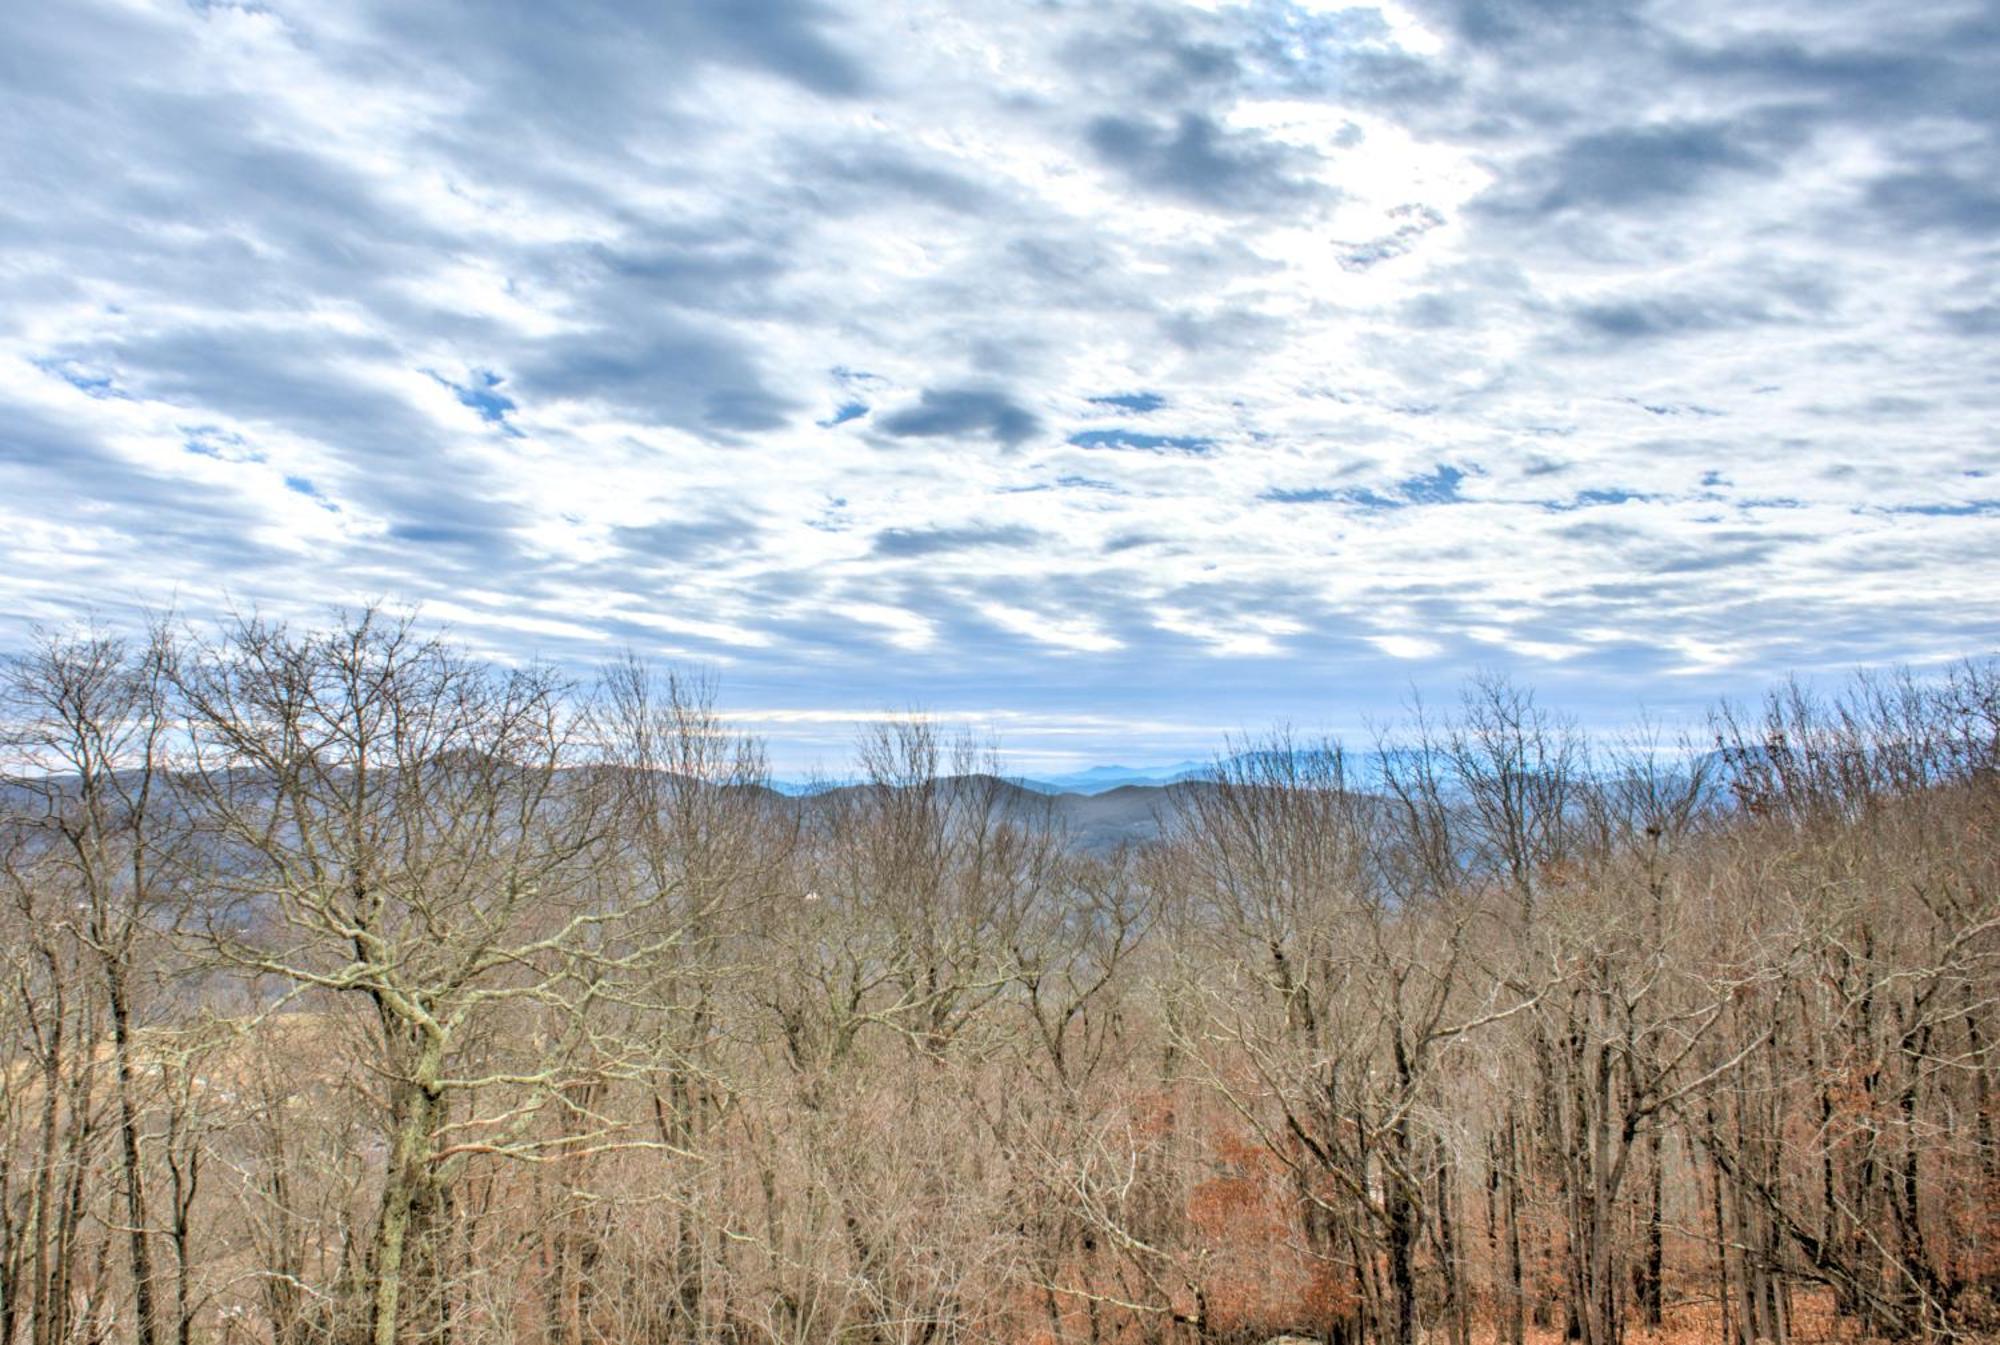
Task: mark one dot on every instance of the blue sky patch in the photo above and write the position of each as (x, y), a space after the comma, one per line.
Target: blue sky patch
(1139, 403)
(1435, 487)
(483, 395)
(1142, 442)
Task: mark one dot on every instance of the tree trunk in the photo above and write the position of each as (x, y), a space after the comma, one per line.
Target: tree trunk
(1516, 1309)
(145, 1312)
(408, 1215)
(1402, 1259)
(1651, 1278)
(1454, 1280)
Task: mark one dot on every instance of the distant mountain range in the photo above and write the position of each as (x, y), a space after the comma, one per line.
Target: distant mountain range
(1101, 779)
(1107, 806)
(1094, 823)
(1095, 780)
(1364, 770)
(1096, 810)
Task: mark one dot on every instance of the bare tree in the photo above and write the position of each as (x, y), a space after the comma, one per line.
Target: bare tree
(396, 823)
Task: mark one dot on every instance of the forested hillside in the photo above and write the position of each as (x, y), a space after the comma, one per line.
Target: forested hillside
(357, 989)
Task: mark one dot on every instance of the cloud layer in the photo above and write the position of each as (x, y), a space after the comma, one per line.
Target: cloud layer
(1116, 374)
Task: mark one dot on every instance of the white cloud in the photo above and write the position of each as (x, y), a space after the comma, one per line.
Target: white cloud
(1405, 646)
(1074, 634)
(905, 630)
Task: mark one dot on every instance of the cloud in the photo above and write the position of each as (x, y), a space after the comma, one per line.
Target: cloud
(1505, 23)
(1071, 634)
(1938, 199)
(684, 540)
(1631, 168)
(1194, 160)
(904, 630)
(1405, 646)
(677, 375)
(962, 411)
(1253, 360)
(1749, 296)
(906, 542)
(876, 177)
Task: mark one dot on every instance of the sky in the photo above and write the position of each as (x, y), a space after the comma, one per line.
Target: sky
(1104, 376)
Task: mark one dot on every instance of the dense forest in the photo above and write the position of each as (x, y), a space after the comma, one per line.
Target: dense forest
(358, 989)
